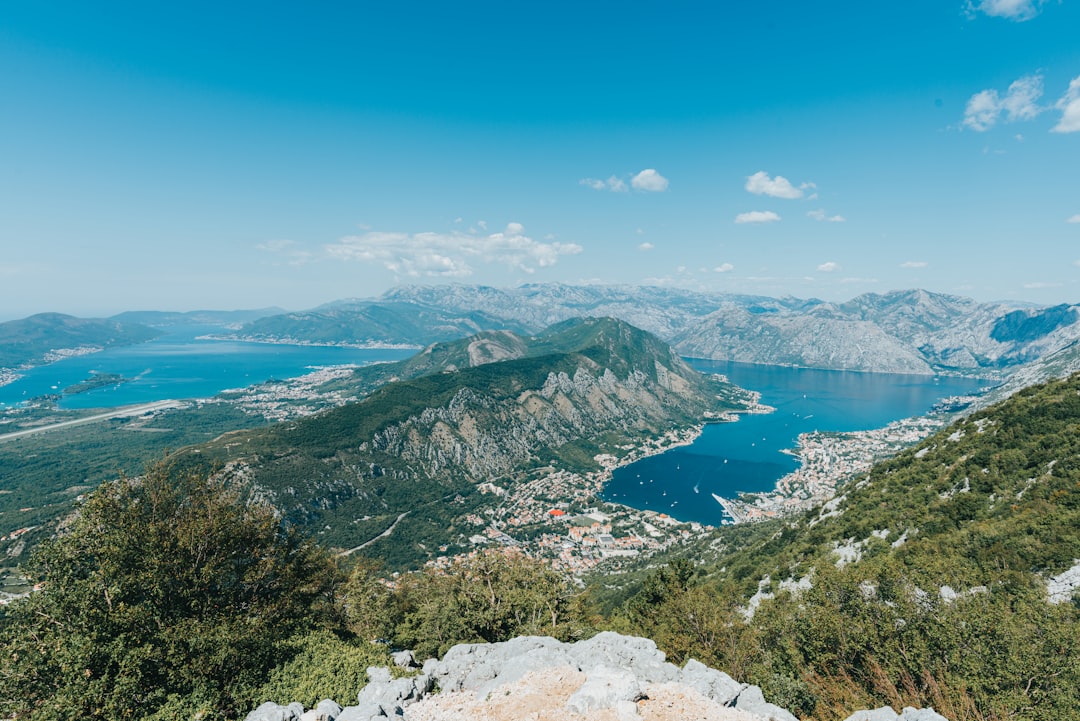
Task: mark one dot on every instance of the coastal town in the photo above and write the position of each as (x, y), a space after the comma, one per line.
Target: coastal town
(556, 514)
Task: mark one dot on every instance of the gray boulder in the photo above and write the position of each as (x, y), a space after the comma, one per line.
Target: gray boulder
(326, 710)
(389, 694)
(605, 687)
(404, 659)
(921, 714)
(368, 712)
(270, 711)
(709, 682)
(886, 713)
(481, 668)
(640, 656)
(751, 699)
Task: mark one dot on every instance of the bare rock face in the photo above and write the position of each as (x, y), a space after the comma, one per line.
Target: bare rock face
(609, 677)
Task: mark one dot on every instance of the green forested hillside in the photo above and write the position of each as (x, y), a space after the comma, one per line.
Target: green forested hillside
(27, 341)
(411, 454)
(924, 583)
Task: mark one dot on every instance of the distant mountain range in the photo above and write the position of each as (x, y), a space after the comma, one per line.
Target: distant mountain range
(913, 331)
(226, 318)
(488, 409)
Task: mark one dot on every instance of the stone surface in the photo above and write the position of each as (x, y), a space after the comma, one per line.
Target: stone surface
(885, 713)
(751, 699)
(606, 678)
(605, 687)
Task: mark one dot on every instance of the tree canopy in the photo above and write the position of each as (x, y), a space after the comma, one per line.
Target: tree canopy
(164, 592)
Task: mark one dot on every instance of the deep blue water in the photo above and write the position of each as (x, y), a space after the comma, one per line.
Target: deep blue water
(177, 365)
(745, 456)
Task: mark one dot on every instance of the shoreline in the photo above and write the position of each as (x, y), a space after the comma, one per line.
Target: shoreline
(374, 345)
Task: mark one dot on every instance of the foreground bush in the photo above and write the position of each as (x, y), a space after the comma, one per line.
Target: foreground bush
(166, 595)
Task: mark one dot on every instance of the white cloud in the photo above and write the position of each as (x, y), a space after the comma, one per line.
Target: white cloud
(614, 184)
(1020, 103)
(820, 215)
(828, 267)
(1039, 285)
(450, 255)
(1017, 10)
(779, 187)
(914, 264)
(757, 216)
(646, 246)
(1074, 219)
(724, 268)
(1069, 105)
(649, 180)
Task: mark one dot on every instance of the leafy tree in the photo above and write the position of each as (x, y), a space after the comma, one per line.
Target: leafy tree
(488, 598)
(165, 592)
(324, 665)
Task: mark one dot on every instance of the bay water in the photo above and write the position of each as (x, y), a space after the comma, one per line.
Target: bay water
(747, 455)
(179, 364)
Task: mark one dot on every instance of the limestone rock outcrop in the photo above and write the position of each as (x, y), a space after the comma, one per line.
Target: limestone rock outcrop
(609, 677)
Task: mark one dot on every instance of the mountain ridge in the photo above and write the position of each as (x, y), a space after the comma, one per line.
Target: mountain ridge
(909, 331)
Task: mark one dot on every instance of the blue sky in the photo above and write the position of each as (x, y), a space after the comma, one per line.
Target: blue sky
(231, 155)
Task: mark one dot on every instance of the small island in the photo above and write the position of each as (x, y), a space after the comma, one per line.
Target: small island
(97, 380)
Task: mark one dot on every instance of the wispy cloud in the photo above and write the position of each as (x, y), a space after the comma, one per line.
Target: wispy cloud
(645, 246)
(914, 264)
(613, 184)
(757, 216)
(724, 268)
(821, 215)
(1069, 105)
(779, 187)
(650, 181)
(1016, 10)
(1039, 285)
(829, 267)
(288, 250)
(1074, 219)
(1020, 102)
(450, 255)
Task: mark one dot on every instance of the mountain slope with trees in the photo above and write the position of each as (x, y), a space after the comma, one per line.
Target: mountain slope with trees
(411, 455)
(941, 578)
(38, 339)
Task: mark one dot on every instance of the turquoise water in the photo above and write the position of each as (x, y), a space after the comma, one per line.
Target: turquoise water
(177, 365)
(745, 456)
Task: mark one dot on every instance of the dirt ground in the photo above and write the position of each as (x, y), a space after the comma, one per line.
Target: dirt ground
(542, 696)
